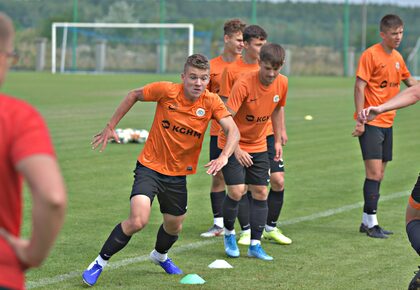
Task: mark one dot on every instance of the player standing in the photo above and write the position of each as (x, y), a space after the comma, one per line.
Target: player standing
(256, 98)
(380, 71)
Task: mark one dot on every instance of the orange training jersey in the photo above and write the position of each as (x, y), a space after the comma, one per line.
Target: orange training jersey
(254, 103)
(178, 129)
(383, 73)
(232, 72)
(217, 65)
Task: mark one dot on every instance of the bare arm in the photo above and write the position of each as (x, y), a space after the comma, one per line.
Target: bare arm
(359, 101)
(284, 137)
(101, 139)
(49, 201)
(405, 98)
(232, 138)
(410, 82)
(276, 120)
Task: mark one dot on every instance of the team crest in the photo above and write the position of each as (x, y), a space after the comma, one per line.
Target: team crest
(397, 65)
(200, 112)
(276, 99)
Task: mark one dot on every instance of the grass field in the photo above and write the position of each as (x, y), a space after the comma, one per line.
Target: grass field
(322, 210)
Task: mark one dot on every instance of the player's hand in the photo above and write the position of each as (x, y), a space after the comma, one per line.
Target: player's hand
(368, 114)
(279, 151)
(102, 138)
(359, 130)
(21, 249)
(243, 157)
(284, 138)
(216, 165)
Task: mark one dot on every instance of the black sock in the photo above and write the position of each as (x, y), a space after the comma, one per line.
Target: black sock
(258, 211)
(217, 203)
(275, 204)
(243, 211)
(164, 241)
(413, 233)
(230, 211)
(116, 241)
(371, 196)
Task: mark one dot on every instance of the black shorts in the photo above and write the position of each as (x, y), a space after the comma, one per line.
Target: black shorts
(257, 174)
(275, 166)
(376, 143)
(170, 190)
(214, 150)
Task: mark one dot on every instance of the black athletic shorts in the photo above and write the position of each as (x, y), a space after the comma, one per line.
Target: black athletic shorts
(170, 190)
(275, 166)
(214, 150)
(376, 143)
(257, 174)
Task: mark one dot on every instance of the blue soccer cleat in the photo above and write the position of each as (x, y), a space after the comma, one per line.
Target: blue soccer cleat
(90, 276)
(256, 251)
(231, 248)
(167, 265)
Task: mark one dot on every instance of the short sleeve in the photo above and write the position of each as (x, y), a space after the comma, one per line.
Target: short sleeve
(155, 91)
(219, 110)
(365, 68)
(30, 135)
(238, 94)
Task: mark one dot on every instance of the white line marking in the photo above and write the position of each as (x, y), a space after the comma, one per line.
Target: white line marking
(139, 259)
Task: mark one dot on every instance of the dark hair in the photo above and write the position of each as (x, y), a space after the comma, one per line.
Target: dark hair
(273, 54)
(233, 26)
(254, 31)
(390, 21)
(198, 61)
(6, 30)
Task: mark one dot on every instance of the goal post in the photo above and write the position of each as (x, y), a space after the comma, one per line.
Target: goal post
(74, 25)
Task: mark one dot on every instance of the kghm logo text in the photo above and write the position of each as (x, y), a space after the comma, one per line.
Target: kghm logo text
(260, 119)
(384, 84)
(178, 129)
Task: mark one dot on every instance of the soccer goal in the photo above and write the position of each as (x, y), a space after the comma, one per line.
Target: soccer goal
(120, 47)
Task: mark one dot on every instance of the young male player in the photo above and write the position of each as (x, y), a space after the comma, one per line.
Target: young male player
(406, 98)
(171, 152)
(233, 45)
(26, 152)
(254, 38)
(381, 69)
(256, 98)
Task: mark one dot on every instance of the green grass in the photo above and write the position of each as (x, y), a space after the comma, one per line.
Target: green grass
(324, 171)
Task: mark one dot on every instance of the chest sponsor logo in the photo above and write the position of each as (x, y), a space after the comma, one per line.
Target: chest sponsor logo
(200, 112)
(385, 84)
(276, 99)
(258, 119)
(180, 130)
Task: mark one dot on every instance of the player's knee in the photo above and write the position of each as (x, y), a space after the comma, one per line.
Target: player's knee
(137, 224)
(173, 228)
(413, 233)
(218, 182)
(277, 184)
(259, 193)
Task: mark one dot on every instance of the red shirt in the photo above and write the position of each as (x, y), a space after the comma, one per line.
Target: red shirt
(22, 133)
(178, 129)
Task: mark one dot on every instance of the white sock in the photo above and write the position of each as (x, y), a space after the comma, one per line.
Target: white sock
(255, 242)
(100, 261)
(158, 256)
(269, 228)
(364, 219)
(372, 220)
(218, 222)
(227, 232)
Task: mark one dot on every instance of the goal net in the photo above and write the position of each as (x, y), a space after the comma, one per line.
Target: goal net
(120, 47)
